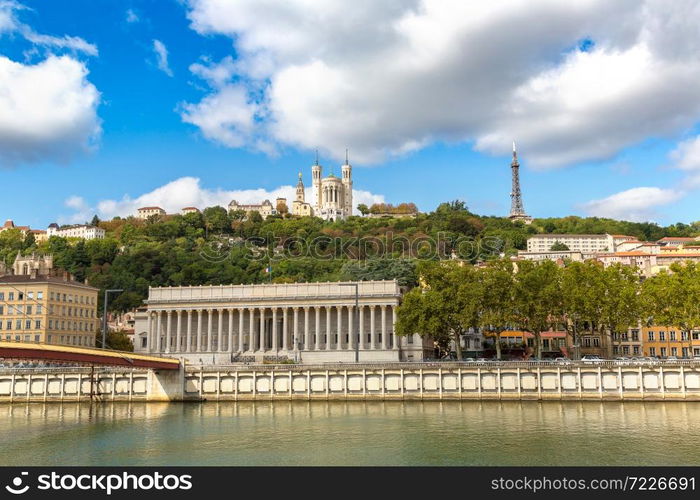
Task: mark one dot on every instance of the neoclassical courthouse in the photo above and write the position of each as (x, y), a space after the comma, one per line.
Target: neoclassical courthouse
(303, 322)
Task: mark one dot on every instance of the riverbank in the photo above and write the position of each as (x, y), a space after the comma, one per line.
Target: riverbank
(609, 381)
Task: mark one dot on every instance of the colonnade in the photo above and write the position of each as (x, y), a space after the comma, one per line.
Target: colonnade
(273, 329)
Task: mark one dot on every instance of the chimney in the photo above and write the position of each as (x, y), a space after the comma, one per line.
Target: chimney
(65, 275)
(33, 274)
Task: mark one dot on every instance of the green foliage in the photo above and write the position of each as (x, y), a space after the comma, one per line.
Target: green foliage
(559, 247)
(118, 341)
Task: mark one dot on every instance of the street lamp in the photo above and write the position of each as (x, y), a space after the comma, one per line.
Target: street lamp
(104, 316)
(357, 319)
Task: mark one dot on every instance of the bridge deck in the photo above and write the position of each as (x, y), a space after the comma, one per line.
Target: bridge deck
(106, 357)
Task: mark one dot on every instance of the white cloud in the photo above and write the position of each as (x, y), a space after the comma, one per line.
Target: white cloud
(131, 16)
(636, 204)
(9, 24)
(47, 110)
(187, 191)
(386, 78)
(686, 155)
(227, 116)
(162, 57)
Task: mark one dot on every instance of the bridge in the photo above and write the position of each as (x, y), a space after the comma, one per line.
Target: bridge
(84, 355)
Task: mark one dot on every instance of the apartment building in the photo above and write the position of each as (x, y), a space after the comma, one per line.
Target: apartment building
(47, 309)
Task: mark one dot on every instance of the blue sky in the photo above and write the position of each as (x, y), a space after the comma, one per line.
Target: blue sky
(426, 102)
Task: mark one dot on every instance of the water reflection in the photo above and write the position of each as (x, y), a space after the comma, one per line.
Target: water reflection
(353, 433)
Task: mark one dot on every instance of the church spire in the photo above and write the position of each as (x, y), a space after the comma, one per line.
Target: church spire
(316, 162)
(346, 157)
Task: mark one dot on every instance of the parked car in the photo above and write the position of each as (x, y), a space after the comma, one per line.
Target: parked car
(672, 358)
(562, 360)
(591, 359)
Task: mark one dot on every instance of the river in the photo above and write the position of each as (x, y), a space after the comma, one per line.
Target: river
(352, 433)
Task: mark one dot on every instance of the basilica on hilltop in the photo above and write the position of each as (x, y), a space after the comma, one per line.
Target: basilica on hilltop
(332, 196)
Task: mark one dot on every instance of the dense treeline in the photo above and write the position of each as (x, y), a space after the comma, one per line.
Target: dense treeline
(218, 247)
(580, 297)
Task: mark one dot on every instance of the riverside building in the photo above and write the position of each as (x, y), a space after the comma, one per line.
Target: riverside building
(302, 322)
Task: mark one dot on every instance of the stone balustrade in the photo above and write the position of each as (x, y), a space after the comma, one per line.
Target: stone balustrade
(514, 381)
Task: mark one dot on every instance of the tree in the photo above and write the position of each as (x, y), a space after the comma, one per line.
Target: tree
(559, 247)
(621, 306)
(444, 308)
(537, 298)
(95, 220)
(363, 209)
(118, 341)
(497, 313)
(671, 299)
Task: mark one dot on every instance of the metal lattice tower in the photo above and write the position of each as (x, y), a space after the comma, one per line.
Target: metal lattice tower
(517, 211)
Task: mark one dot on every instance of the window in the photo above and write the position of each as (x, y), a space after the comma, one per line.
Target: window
(37, 324)
(674, 351)
(2, 295)
(652, 351)
(662, 335)
(596, 342)
(11, 296)
(37, 338)
(616, 350)
(663, 352)
(39, 295)
(696, 335)
(684, 335)
(635, 350)
(2, 310)
(39, 309)
(28, 324)
(587, 342)
(685, 352)
(672, 336)
(626, 350)
(651, 335)
(30, 295)
(29, 309)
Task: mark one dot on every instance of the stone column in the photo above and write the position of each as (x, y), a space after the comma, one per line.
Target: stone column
(372, 329)
(219, 332)
(149, 332)
(275, 343)
(263, 340)
(328, 328)
(295, 330)
(363, 342)
(339, 342)
(285, 327)
(317, 327)
(200, 345)
(241, 319)
(394, 337)
(178, 337)
(230, 330)
(351, 329)
(188, 347)
(210, 334)
(252, 346)
(158, 330)
(385, 334)
(307, 333)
